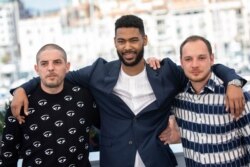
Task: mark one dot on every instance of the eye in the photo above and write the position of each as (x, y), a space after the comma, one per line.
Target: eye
(187, 59)
(202, 58)
(134, 40)
(43, 63)
(58, 62)
(120, 41)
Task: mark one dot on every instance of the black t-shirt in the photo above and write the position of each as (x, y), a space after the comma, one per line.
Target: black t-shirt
(56, 132)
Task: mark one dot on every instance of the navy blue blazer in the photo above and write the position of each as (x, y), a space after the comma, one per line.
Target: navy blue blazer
(122, 133)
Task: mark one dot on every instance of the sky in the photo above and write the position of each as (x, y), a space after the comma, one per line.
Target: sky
(44, 4)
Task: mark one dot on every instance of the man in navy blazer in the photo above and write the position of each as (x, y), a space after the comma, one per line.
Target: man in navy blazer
(134, 100)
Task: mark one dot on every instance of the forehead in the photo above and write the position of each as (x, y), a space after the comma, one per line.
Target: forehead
(129, 32)
(50, 54)
(194, 47)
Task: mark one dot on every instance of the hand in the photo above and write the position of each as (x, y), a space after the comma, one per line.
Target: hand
(171, 134)
(153, 63)
(234, 100)
(19, 99)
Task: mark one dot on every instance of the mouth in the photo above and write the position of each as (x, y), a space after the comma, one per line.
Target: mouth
(51, 76)
(195, 72)
(129, 55)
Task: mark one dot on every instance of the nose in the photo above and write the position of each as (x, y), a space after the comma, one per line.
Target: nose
(51, 66)
(127, 46)
(194, 63)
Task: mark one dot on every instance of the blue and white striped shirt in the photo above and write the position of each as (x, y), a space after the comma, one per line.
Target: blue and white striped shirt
(210, 135)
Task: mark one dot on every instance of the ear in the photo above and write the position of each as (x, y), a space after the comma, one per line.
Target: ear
(114, 41)
(181, 62)
(145, 40)
(67, 67)
(36, 69)
(212, 58)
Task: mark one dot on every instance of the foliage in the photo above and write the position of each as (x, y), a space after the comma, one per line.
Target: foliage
(94, 139)
(2, 118)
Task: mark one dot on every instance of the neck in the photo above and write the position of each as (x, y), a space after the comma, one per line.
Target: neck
(198, 86)
(50, 90)
(134, 70)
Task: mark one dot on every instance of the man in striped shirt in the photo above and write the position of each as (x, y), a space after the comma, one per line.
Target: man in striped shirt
(209, 135)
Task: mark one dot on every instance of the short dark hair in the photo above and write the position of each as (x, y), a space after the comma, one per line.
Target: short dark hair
(130, 21)
(52, 46)
(193, 38)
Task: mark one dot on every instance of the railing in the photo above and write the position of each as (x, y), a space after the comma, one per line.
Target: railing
(94, 156)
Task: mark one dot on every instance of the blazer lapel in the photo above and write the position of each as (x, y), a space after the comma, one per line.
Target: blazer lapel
(110, 80)
(112, 74)
(156, 84)
(111, 77)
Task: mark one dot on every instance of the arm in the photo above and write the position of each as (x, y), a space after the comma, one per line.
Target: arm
(94, 118)
(171, 135)
(10, 141)
(80, 77)
(234, 94)
(226, 74)
(243, 123)
(93, 111)
(20, 94)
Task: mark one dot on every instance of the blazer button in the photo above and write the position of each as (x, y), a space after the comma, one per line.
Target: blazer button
(130, 142)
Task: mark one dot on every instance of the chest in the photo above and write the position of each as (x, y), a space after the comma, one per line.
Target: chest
(66, 114)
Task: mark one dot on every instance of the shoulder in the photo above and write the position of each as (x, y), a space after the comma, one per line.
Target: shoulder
(101, 61)
(167, 61)
(69, 86)
(164, 63)
(168, 69)
(168, 64)
(76, 89)
(111, 64)
(101, 65)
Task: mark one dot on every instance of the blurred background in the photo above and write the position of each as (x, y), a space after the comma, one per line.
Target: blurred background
(85, 29)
